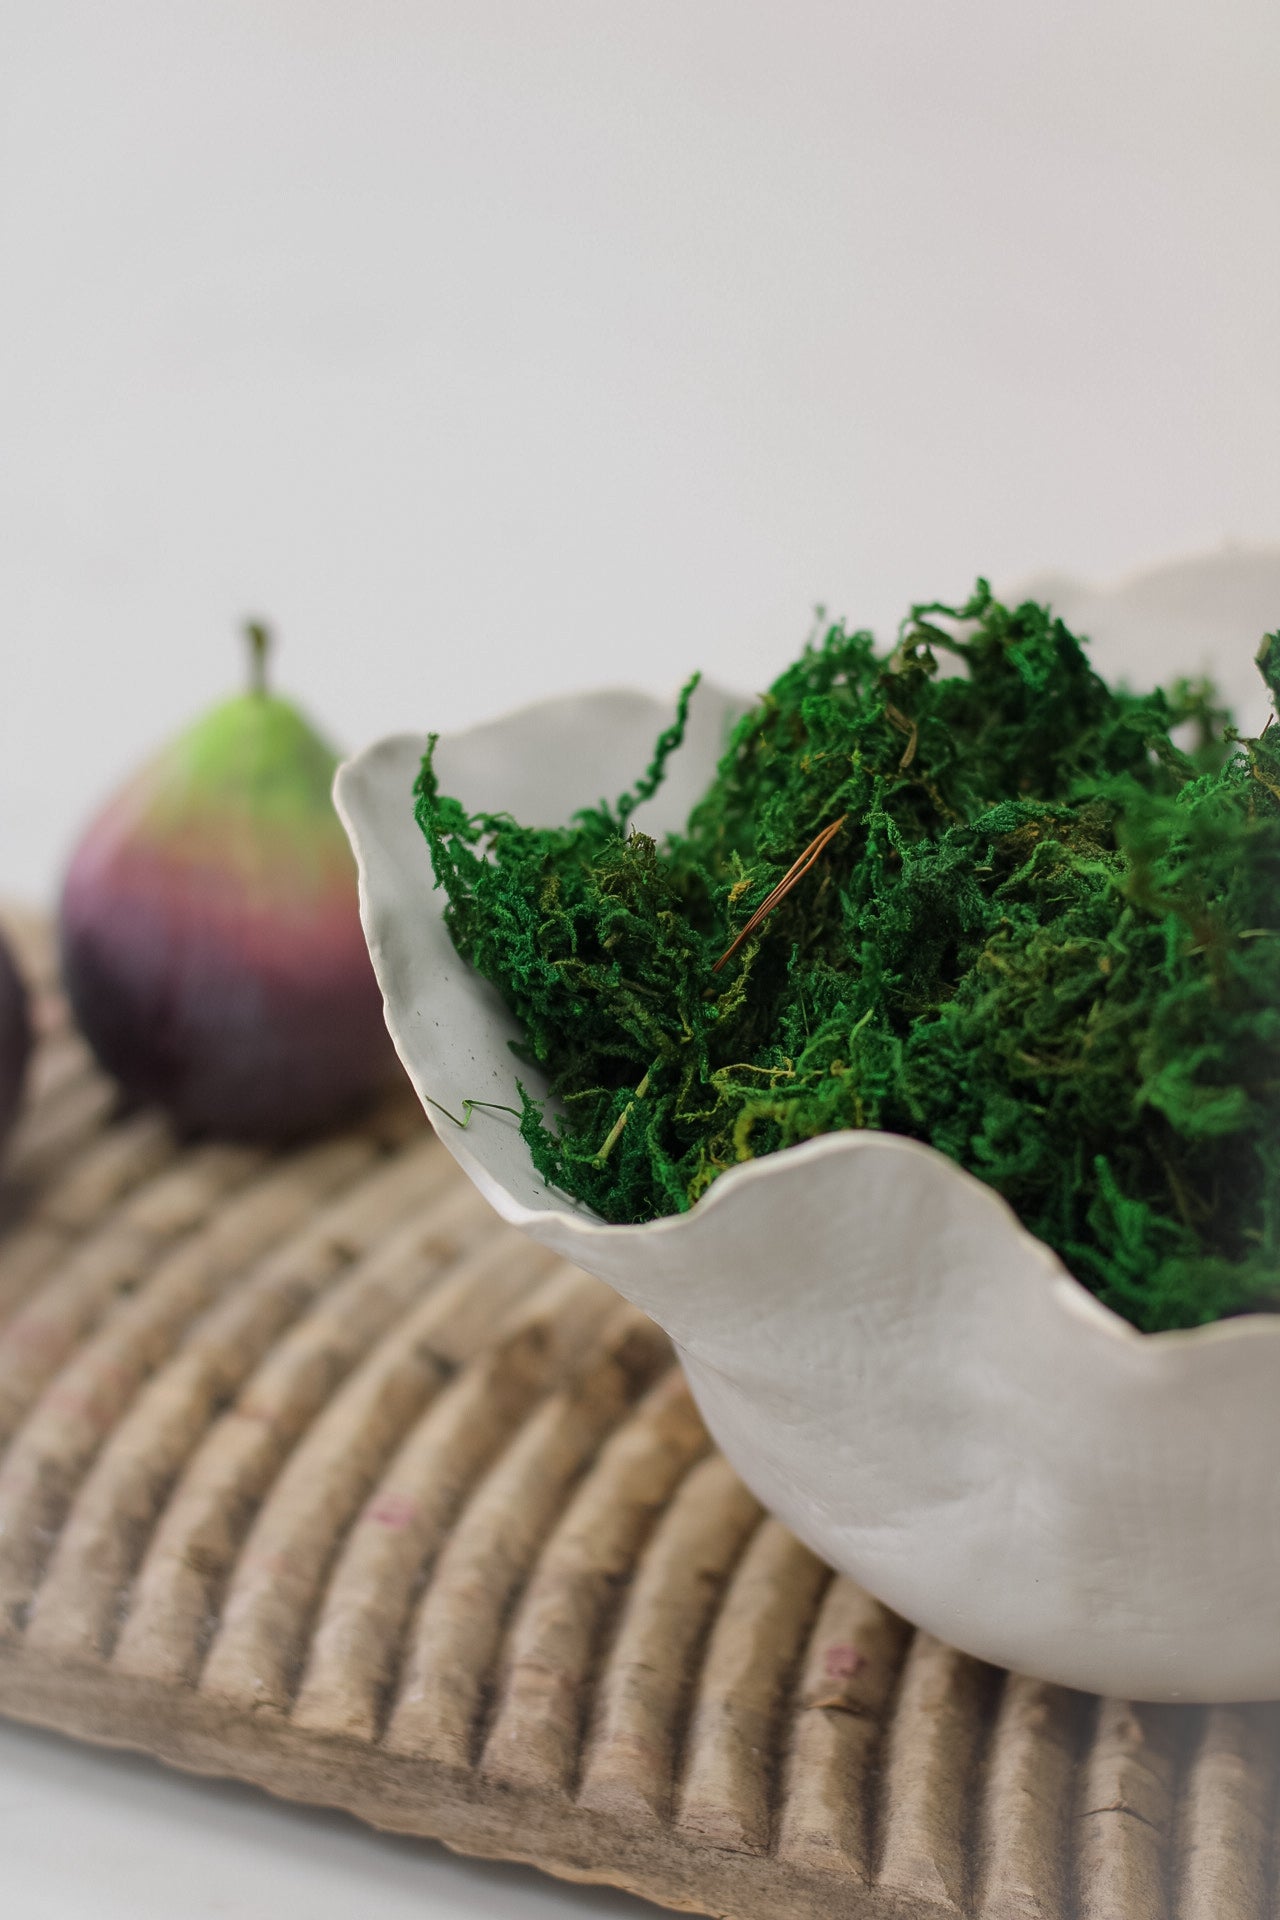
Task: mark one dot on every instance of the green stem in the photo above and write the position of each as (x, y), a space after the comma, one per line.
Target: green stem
(615, 1133)
(259, 639)
(468, 1108)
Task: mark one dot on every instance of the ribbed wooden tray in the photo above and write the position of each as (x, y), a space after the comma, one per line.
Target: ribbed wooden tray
(313, 1473)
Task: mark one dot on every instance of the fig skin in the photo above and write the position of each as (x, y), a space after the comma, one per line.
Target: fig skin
(210, 933)
(15, 1038)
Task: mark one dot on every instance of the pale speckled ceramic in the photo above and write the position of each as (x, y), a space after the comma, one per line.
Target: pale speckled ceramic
(894, 1366)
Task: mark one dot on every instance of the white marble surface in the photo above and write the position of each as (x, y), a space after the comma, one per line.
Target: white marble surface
(87, 1834)
(493, 349)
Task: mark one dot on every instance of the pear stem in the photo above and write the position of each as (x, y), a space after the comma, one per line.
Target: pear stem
(259, 639)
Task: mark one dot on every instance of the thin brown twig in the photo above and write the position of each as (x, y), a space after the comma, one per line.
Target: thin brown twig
(794, 873)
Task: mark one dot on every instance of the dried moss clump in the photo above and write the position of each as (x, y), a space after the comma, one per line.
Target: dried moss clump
(1045, 940)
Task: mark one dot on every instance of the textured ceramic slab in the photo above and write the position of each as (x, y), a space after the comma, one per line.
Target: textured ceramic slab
(314, 1474)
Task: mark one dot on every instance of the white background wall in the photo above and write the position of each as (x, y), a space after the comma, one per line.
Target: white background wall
(498, 345)
(494, 346)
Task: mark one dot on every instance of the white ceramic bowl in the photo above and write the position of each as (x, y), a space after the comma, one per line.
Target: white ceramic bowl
(893, 1364)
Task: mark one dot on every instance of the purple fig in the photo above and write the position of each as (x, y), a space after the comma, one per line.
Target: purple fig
(210, 930)
(15, 1038)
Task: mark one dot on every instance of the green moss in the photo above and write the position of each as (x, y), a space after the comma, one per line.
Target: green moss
(1046, 940)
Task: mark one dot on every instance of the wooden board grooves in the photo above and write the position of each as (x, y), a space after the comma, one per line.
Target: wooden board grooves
(276, 1586)
(313, 1473)
(644, 1696)
(1020, 1849)
(559, 1638)
(730, 1761)
(199, 1388)
(847, 1685)
(83, 1402)
(1227, 1815)
(237, 1461)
